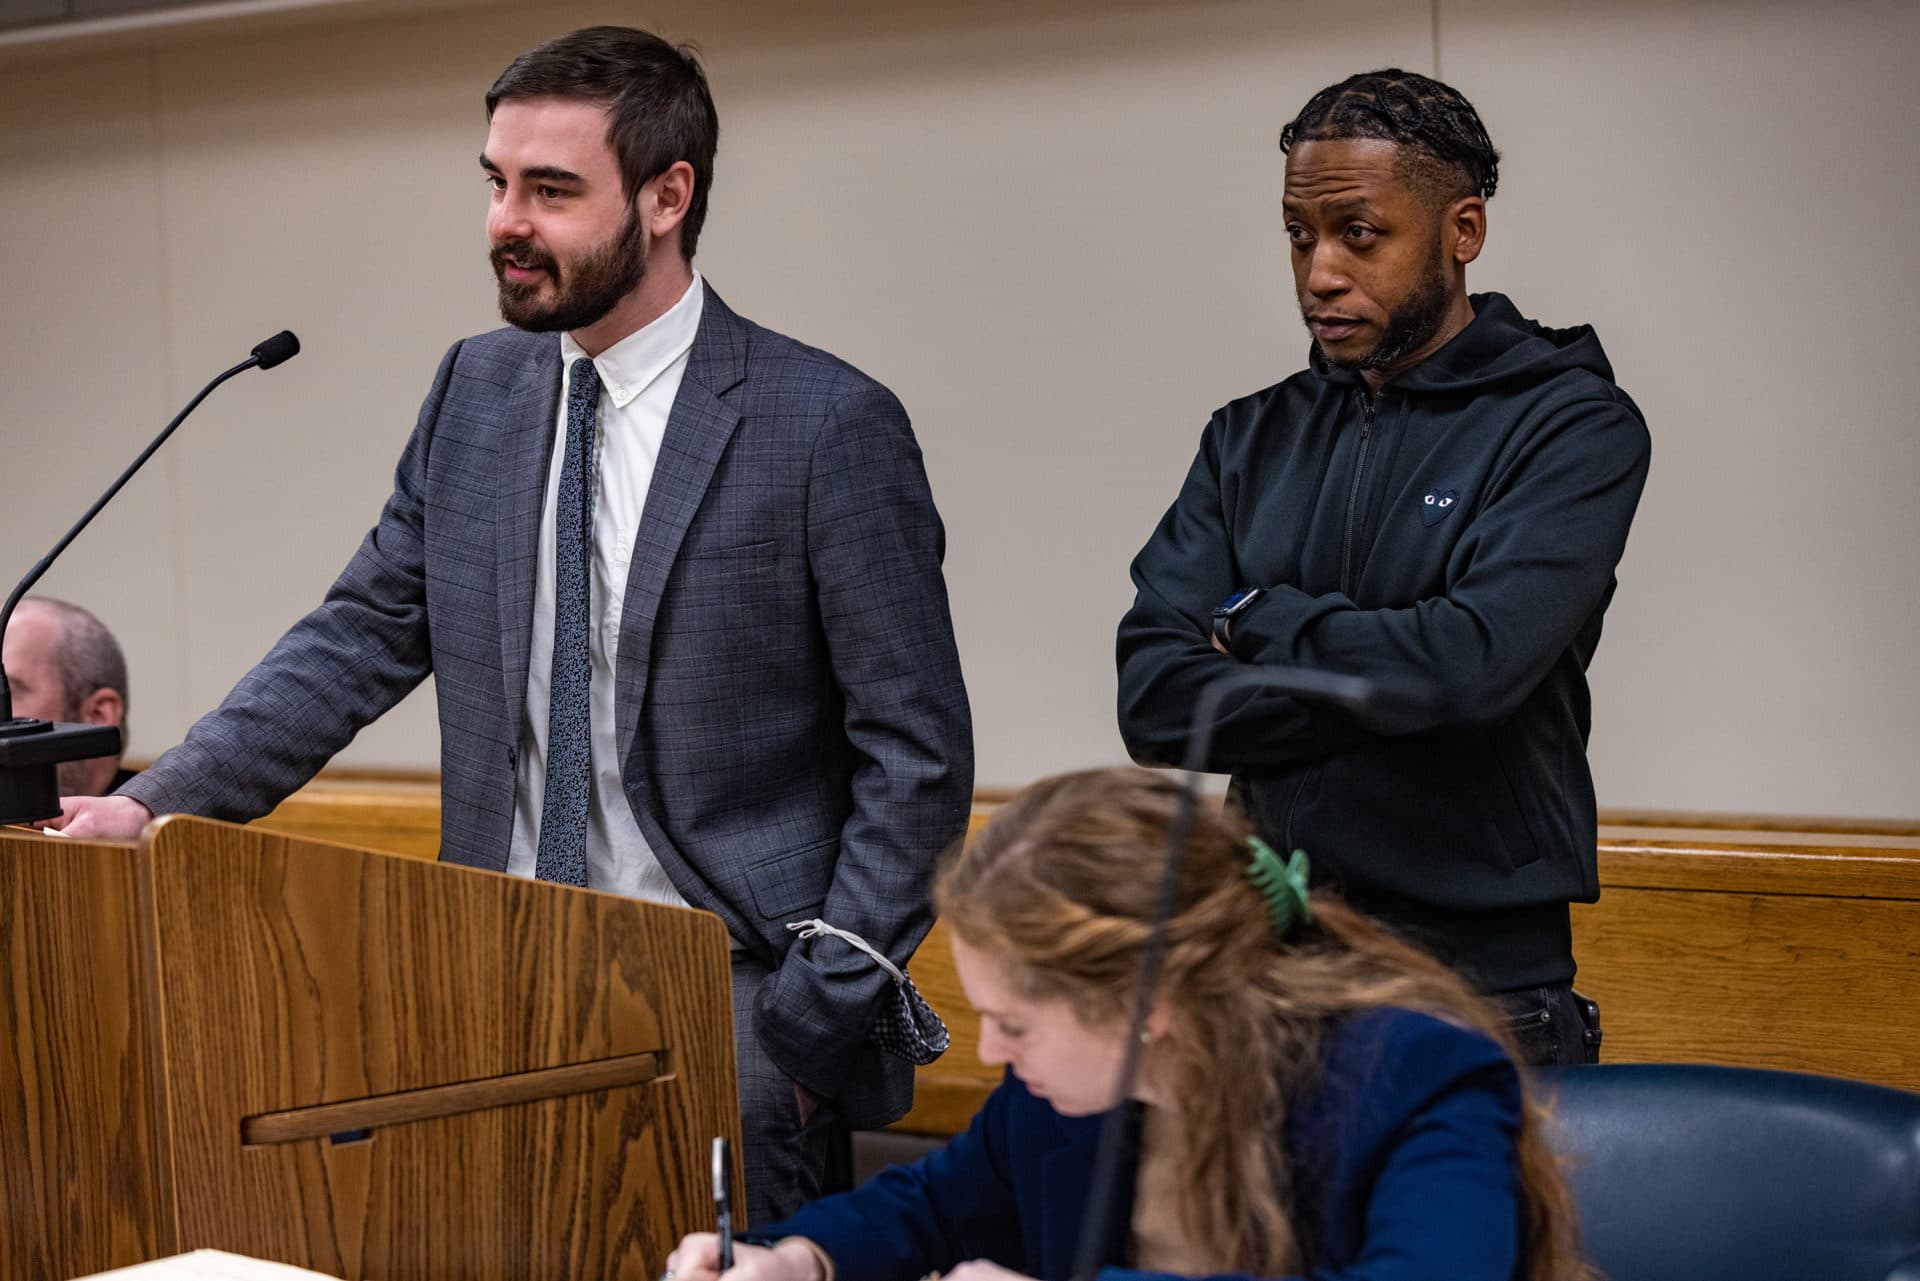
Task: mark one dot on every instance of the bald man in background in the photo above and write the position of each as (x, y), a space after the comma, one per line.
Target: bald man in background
(64, 665)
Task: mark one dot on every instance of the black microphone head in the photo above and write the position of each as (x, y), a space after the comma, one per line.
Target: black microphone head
(278, 349)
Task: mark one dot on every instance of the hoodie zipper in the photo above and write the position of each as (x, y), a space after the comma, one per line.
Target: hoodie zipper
(1368, 408)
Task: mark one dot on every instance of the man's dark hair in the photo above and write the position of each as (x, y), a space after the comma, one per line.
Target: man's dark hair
(1443, 146)
(659, 111)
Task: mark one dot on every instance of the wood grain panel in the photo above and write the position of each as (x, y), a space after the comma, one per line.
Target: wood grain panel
(300, 975)
(331, 1120)
(393, 815)
(81, 1188)
(1710, 819)
(1796, 954)
(1829, 873)
(1805, 982)
(1710, 840)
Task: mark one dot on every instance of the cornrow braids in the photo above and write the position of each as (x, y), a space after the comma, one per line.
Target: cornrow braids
(1444, 145)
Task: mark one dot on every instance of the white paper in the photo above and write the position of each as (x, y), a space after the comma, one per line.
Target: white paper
(210, 1265)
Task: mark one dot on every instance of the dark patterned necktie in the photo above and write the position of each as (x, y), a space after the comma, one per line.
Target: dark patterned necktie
(563, 811)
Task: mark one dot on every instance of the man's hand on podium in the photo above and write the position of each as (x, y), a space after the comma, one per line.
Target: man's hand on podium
(697, 1258)
(101, 818)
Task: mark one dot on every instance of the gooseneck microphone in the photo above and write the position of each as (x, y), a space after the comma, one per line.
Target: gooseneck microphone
(277, 350)
(30, 748)
(1351, 693)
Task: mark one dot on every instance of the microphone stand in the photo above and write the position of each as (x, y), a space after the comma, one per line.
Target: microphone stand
(1351, 692)
(31, 748)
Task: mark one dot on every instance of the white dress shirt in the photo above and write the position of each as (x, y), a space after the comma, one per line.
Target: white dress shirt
(639, 378)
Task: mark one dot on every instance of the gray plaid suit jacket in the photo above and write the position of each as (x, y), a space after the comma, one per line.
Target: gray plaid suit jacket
(792, 718)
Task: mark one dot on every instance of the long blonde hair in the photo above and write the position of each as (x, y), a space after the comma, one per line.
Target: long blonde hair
(1060, 886)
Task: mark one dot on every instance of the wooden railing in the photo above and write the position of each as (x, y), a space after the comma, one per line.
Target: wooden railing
(1762, 947)
(394, 815)
(1764, 941)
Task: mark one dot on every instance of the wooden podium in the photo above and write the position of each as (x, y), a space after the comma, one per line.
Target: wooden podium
(366, 1065)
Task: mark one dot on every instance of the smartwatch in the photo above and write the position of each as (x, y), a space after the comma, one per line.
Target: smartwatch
(1231, 608)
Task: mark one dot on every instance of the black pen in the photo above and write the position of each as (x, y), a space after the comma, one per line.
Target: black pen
(723, 1201)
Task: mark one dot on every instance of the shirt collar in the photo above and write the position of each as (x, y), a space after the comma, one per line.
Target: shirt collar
(629, 366)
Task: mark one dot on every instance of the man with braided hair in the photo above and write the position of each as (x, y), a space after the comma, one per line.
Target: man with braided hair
(1436, 503)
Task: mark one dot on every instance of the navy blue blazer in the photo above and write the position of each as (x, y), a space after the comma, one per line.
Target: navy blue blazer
(1404, 1166)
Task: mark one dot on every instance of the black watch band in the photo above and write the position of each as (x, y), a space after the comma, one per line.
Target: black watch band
(1231, 608)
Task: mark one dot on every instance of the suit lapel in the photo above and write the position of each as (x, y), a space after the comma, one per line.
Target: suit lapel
(526, 449)
(697, 433)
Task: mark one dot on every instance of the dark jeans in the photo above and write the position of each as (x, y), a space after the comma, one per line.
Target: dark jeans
(1550, 1026)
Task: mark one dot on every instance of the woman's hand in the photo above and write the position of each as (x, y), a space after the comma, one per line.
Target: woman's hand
(981, 1270)
(697, 1258)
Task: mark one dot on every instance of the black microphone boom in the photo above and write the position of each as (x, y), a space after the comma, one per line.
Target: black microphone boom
(31, 748)
(1351, 693)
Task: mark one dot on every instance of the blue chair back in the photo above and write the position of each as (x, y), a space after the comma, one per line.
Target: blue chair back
(1685, 1172)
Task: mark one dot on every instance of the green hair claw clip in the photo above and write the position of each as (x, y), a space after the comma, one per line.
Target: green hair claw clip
(1282, 883)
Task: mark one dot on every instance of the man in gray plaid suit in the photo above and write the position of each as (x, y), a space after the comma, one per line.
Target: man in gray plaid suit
(678, 581)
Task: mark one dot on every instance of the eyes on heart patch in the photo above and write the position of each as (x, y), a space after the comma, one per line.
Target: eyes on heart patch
(1436, 503)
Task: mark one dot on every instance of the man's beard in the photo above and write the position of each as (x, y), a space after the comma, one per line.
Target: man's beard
(584, 290)
(1412, 324)
(75, 778)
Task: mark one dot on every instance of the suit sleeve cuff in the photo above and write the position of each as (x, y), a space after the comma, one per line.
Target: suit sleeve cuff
(812, 1044)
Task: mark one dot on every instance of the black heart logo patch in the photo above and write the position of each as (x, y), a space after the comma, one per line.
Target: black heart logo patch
(1436, 503)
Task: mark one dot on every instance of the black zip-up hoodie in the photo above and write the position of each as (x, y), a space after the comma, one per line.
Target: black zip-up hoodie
(1455, 541)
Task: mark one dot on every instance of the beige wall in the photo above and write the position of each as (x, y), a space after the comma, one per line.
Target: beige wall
(1052, 228)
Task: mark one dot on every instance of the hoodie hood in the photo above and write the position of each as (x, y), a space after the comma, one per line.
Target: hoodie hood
(1500, 348)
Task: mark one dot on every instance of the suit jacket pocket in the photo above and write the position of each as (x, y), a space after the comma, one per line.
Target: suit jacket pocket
(793, 885)
(732, 562)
